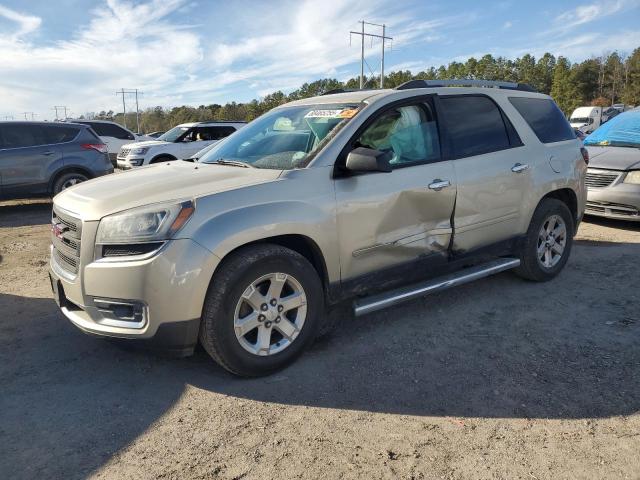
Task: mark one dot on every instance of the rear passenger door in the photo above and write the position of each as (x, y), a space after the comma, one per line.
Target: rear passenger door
(491, 170)
(26, 159)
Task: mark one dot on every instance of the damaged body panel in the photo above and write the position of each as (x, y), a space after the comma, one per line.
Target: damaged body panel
(386, 220)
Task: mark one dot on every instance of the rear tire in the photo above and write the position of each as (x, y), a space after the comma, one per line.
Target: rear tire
(242, 327)
(67, 180)
(548, 242)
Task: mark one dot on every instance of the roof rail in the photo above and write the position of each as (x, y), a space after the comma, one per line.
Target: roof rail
(465, 83)
(345, 90)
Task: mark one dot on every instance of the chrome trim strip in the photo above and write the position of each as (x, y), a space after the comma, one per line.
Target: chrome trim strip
(388, 299)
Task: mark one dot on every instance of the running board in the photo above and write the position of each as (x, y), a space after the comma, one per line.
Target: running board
(387, 299)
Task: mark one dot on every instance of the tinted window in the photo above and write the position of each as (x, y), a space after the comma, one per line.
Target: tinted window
(410, 132)
(209, 133)
(474, 125)
(545, 118)
(60, 133)
(21, 135)
(110, 130)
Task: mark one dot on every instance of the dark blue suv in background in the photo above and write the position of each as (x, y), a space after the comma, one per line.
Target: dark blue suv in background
(44, 158)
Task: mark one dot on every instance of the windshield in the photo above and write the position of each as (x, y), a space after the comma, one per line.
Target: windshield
(173, 134)
(621, 131)
(284, 138)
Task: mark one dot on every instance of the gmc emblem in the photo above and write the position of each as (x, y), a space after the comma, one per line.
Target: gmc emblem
(57, 230)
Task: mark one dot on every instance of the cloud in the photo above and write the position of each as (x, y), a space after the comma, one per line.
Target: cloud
(507, 25)
(588, 13)
(26, 23)
(312, 40)
(123, 45)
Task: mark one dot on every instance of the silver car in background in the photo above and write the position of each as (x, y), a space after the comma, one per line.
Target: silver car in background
(613, 177)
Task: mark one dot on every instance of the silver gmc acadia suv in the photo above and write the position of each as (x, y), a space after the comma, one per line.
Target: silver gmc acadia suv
(367, 197)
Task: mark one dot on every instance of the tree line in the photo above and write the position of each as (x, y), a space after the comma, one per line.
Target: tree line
(601, 81)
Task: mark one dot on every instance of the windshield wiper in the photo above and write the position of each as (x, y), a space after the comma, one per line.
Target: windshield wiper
(234, 163)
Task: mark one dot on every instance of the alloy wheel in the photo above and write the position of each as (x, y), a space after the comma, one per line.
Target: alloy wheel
(552, 241)
(270, 314)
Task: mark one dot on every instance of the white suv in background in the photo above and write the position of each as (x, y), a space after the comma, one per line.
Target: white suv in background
(113, 135)
(181, 141)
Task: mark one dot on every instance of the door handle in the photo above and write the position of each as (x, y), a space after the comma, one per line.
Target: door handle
(438, 184)
(48, 152)
(519, 168)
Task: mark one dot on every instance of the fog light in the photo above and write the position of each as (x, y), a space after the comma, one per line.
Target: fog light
(121, 312)
(136, 162)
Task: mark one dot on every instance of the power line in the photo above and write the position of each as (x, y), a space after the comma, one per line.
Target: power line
(135, 92)
(364, 34)
(29, 113)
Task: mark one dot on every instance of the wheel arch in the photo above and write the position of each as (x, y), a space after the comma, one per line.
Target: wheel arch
(68, 169)
(569, 198)
(299, 243)
(159, 158)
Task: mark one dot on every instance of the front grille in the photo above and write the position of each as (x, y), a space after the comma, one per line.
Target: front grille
(600, 178)
(66, 232)
(606, 208)
(123, 152)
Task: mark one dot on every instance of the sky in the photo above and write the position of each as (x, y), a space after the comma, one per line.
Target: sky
(78, 53)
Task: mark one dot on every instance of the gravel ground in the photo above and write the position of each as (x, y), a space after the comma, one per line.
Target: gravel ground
(497, 379)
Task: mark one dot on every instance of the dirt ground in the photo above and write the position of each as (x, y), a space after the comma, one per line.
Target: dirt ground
(497, 379)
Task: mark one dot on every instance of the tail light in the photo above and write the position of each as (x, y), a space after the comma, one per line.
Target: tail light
(585, 155)
(98, 147)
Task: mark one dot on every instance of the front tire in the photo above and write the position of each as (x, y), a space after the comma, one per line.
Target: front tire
(262, 310)
(548, 242)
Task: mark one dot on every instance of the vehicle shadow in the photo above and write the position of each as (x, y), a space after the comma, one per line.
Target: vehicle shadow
(631, 226)
(500, 348)
(25, 213)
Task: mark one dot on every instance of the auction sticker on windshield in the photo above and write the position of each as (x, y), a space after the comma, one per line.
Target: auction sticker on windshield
(333, 113)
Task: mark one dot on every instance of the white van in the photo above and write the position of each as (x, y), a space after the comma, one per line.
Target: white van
(587, 119)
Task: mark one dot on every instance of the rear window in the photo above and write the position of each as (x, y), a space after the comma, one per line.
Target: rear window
(545, 119)
(110, 130)
(474, 125)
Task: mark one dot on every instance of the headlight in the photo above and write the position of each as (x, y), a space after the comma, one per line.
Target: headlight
(148, 224)
(633, 177)
(139, 151)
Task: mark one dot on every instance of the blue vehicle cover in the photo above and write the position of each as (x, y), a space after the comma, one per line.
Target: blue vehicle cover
(622, 130)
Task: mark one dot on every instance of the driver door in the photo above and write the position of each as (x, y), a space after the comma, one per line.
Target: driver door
(387, 221)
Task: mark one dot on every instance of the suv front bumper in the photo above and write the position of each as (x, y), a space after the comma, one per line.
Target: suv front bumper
(128, 163)
(155, 301)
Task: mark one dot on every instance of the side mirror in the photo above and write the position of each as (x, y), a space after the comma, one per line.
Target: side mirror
(364, 159)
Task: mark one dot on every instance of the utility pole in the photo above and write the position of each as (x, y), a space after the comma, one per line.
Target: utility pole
(8, 117)
(363, 34)
(29, 113)
(124, 92)
(56, 107)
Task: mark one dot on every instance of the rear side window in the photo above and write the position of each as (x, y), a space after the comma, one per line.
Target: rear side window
(110, 130)
(20, 135)
(545, 118)
(474, 125)
(214, 133)
(60, 134)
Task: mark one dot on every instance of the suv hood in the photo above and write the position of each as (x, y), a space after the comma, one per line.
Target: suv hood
(146, 143)
(614, 158)
(163, 182)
